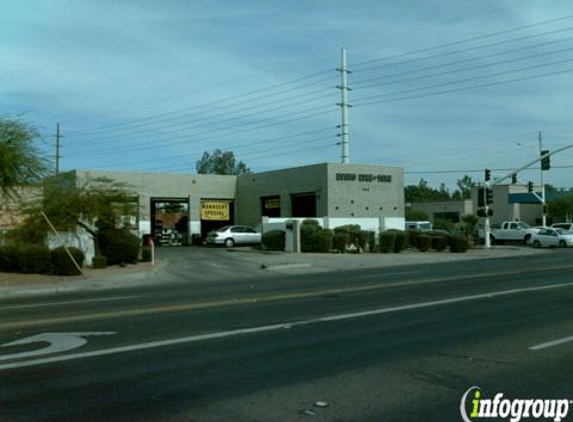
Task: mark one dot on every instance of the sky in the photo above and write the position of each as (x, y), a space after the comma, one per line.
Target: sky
(442, 88)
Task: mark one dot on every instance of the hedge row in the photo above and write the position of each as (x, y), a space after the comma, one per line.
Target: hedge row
(35, 259)
(396, 241)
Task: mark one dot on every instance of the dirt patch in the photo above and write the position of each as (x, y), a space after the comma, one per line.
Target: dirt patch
(16, 279)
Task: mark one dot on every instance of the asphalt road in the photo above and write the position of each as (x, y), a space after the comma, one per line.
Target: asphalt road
(393, 344)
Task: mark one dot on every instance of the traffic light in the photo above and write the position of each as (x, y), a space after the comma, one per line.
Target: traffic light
(487, 175)
(489, 196)
(481, 198)
(514, 179)
(530, 187)
(481, 213)
(545, 162)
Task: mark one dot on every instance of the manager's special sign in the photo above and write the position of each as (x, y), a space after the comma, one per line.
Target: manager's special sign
(215, 210)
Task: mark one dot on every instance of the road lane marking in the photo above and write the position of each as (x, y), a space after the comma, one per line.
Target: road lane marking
(552, 343)
(273, 327)
(249, 300)
(71, 302)
(382, 275)
(57, 343)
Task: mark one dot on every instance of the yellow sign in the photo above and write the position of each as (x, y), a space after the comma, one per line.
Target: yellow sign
(272, 203)
(215, 210)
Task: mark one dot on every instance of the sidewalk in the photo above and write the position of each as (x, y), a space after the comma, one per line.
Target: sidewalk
(114, 277)
(255, 262)
(310, 263)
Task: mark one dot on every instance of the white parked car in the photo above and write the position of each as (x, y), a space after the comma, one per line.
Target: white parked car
(564, 226)
(552, 237)
(234, 235)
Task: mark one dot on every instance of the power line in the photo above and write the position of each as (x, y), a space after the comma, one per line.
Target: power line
(192, 138)
(202, 105)
(462, 41)
(449, 91)
(145, 133)
(472, 59)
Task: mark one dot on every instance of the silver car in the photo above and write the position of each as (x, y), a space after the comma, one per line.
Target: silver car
(552, 237)
(234, 235)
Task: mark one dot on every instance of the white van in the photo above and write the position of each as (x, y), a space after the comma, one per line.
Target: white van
(419, 225)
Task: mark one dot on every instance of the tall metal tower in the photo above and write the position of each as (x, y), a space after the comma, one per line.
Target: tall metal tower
(344, 106)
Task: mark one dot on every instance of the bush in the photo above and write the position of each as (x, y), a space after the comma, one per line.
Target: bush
(400, 241)
(62, 263)
(424, 242)
(145, 254)
(386, 242)
(413, 237)
(459, 244)
(356, 236)
(340, 240)
(371, 241)
(99, 261)
(439, 243)
(307, 230)
(322, 240)
(274, 240)
(119, 246)
(9, 259)
(34, 259)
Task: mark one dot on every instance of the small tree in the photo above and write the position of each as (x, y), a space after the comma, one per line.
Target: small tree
(97, 205)
(562, 207)
(20, 160)
(221, 162)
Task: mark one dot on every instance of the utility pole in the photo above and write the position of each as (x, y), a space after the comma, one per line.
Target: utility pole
(344, 129)
(58, 156)
(543, 207)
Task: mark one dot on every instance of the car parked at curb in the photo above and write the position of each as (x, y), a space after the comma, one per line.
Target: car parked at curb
(565, 226)
(234, 235)
(553, 238)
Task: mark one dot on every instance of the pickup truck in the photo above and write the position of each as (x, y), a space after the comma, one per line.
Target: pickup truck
(517, 231)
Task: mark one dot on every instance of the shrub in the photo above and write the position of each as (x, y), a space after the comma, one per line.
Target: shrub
(443, 224)
(371, 241)
(307, 230)
(145, 254)
(386, 242)
(424, 242)
(9, 259)
(119, 246)
(340, 240)
(34, 259)
(99, 261)
(322, 240)
(62, 263)
(439, 243)
(413, 237)
(400, 241)
(459, 244)
(274, 240)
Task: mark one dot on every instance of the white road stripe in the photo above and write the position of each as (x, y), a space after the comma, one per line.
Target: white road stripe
(552, 343)
(71, 302)
(381, 275)
(223, 334)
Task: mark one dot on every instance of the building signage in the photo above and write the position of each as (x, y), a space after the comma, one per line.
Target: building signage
(215, 210)
(352, 177)
(272, 203)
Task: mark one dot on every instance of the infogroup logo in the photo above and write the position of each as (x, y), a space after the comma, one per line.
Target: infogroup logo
(474, 406)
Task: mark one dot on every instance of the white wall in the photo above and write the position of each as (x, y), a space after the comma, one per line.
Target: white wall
(80, 239)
